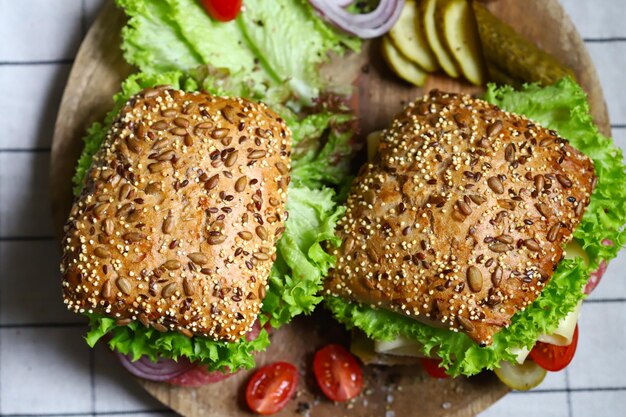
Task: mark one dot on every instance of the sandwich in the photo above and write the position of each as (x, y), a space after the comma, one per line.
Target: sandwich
(185, 263)
(182, 246)
(455, 233)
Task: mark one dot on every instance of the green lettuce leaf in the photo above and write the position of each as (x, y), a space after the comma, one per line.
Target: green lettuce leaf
(296, 276)
(315, 166)
(165, 35)
(153, 40)
(290, 52)
(562, 107)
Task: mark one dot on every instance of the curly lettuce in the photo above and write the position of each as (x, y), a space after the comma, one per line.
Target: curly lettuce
(166, 35)
(296, 277)
(136, 341)
(562, 107)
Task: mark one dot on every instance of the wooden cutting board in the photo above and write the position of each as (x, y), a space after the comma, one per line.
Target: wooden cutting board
(406, 391)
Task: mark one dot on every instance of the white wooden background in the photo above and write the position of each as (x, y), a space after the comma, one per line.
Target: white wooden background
(46, 368)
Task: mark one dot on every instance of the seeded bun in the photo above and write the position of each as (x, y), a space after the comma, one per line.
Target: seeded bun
(177, 222)
(461, 220)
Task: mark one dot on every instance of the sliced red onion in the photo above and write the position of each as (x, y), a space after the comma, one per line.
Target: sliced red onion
(344, 3)
(161, 370)
(366, 25)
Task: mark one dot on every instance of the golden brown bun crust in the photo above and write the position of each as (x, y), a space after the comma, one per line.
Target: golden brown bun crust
(461, 221)
(177, 223)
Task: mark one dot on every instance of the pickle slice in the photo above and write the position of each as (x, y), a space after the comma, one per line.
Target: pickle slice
(436, 42)
(457, 26)
(521, 377)
(500, 77)
(408, 36)
(401, 65)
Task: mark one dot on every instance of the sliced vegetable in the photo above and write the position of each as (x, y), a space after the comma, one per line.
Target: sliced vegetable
(271, 387)
(433, 368)
(337, 373)
(222, 10)
(554, 358)
(366, 25)
(521, 377)
(436, 42)
(458, 27)
(409, 37)
(363, 347)
(401, 65)
(161, 370)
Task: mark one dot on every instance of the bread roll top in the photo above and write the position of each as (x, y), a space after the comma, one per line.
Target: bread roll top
(177, 222)
(461, 220)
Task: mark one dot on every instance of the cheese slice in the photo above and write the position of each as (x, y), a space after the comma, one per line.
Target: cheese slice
(521, 353)
(400, 346)
(562, 336)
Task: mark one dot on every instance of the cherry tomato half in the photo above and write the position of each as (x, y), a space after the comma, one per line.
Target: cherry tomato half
(271, 387)
(222, 10)
(433, 368)
(338, 373)
(554, 358)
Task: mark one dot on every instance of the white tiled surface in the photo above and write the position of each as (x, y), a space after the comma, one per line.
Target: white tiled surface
(30, 118)
(29, 290)
(24, 194)
(40, 30)
(610, 61)
(597, 18)
(598, 403)
(548, 404)
(45, 366)
(44, 370)
(593, 366)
